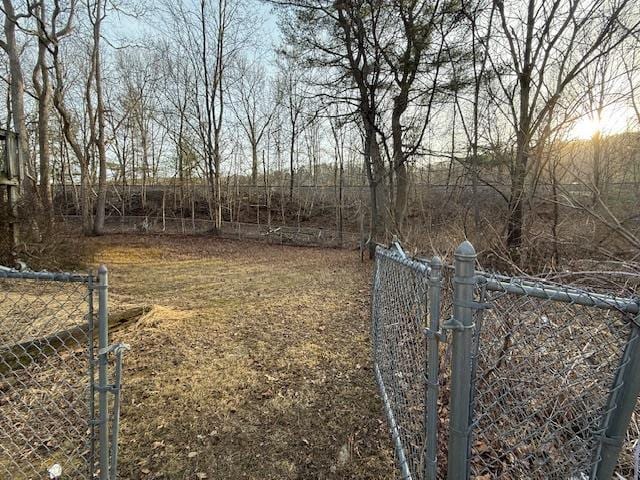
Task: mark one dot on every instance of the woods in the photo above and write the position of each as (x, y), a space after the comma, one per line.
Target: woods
(496, 116)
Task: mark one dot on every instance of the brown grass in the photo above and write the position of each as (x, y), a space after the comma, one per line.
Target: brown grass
(254, 361)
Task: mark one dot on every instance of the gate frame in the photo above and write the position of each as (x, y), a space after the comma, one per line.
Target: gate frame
(623, 393)
(107, 444)
(466, 284)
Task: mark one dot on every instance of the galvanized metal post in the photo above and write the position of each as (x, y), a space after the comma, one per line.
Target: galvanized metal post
(117, 386)
(92, 377)
(374, 291)
(461, 325)
(103, 342)
(432, 371)
(620, 407)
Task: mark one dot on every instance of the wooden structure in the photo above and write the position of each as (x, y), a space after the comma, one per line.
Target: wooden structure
(10, 177)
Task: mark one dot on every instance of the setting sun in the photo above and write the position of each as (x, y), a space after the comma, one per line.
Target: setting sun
(611, 122)
(586, 128)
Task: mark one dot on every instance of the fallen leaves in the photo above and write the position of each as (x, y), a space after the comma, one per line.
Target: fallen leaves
(248, 386)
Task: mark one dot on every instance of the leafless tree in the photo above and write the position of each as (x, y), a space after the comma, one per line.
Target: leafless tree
(547, 45)
(10, 45)
(253, 108)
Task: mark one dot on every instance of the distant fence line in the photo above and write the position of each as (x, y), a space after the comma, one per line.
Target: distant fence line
(521, 378)
(279, 234)
(574, 186)
(244, 198)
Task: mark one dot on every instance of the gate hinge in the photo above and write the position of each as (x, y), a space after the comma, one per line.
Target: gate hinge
(473, 305)
(111, 388)
(114, 347)
(454, 324)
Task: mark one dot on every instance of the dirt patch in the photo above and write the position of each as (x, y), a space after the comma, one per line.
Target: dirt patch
(253, 363)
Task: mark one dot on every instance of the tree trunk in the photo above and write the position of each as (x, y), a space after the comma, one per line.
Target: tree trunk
(516, 210)
(98, 225)
(292, 147)
(377, 188)
(85, 198)
(597, 170)
(516, 198)
(145, 163)
(45, 151)
(42, 86)
(519, 171)
(399, 160)
(17, 94)
(217, 194)
(340, 199)
(254, 163)
(402, 192)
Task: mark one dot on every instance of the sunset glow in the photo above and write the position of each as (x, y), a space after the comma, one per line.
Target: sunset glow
(611, 122)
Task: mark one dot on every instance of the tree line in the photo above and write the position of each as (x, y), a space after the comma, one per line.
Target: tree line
(292, 92)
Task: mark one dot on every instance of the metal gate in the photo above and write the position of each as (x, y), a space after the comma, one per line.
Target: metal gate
(522, 378)
(54, 388)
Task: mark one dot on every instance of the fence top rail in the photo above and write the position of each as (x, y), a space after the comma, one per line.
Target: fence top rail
(45, 276)
(559, 293)
(399, 257)
(544, 290)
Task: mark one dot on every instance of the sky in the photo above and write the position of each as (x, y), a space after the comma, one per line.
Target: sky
(130, 26)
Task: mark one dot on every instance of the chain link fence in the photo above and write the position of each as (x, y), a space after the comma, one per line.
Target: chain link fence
(545, 366)
(53, 377)
(270, 233)
(528, 379)
(400, 357)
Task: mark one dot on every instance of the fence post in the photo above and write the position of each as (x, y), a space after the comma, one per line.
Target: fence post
(432, 371)
(620, 407)
(117, 387)
(92, 376)
(461, 325)
(103, 342)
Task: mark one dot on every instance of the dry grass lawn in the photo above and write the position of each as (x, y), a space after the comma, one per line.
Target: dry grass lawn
(253, 361)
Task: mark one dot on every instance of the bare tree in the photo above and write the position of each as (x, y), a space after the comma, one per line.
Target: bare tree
(296, 104)
(70, 124)
(252, 108)
(480, 29)
(97, 13)
(548, 44)
(336, 34)
(47, 32)
(384, 59)
(10, 45)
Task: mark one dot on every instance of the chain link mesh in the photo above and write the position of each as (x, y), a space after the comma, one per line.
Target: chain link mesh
(544, 360)
(544, 370)
(444, 375)
(399, 310)
(45, 372)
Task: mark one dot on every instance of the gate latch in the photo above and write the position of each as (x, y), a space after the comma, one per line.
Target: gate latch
(439, 335)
